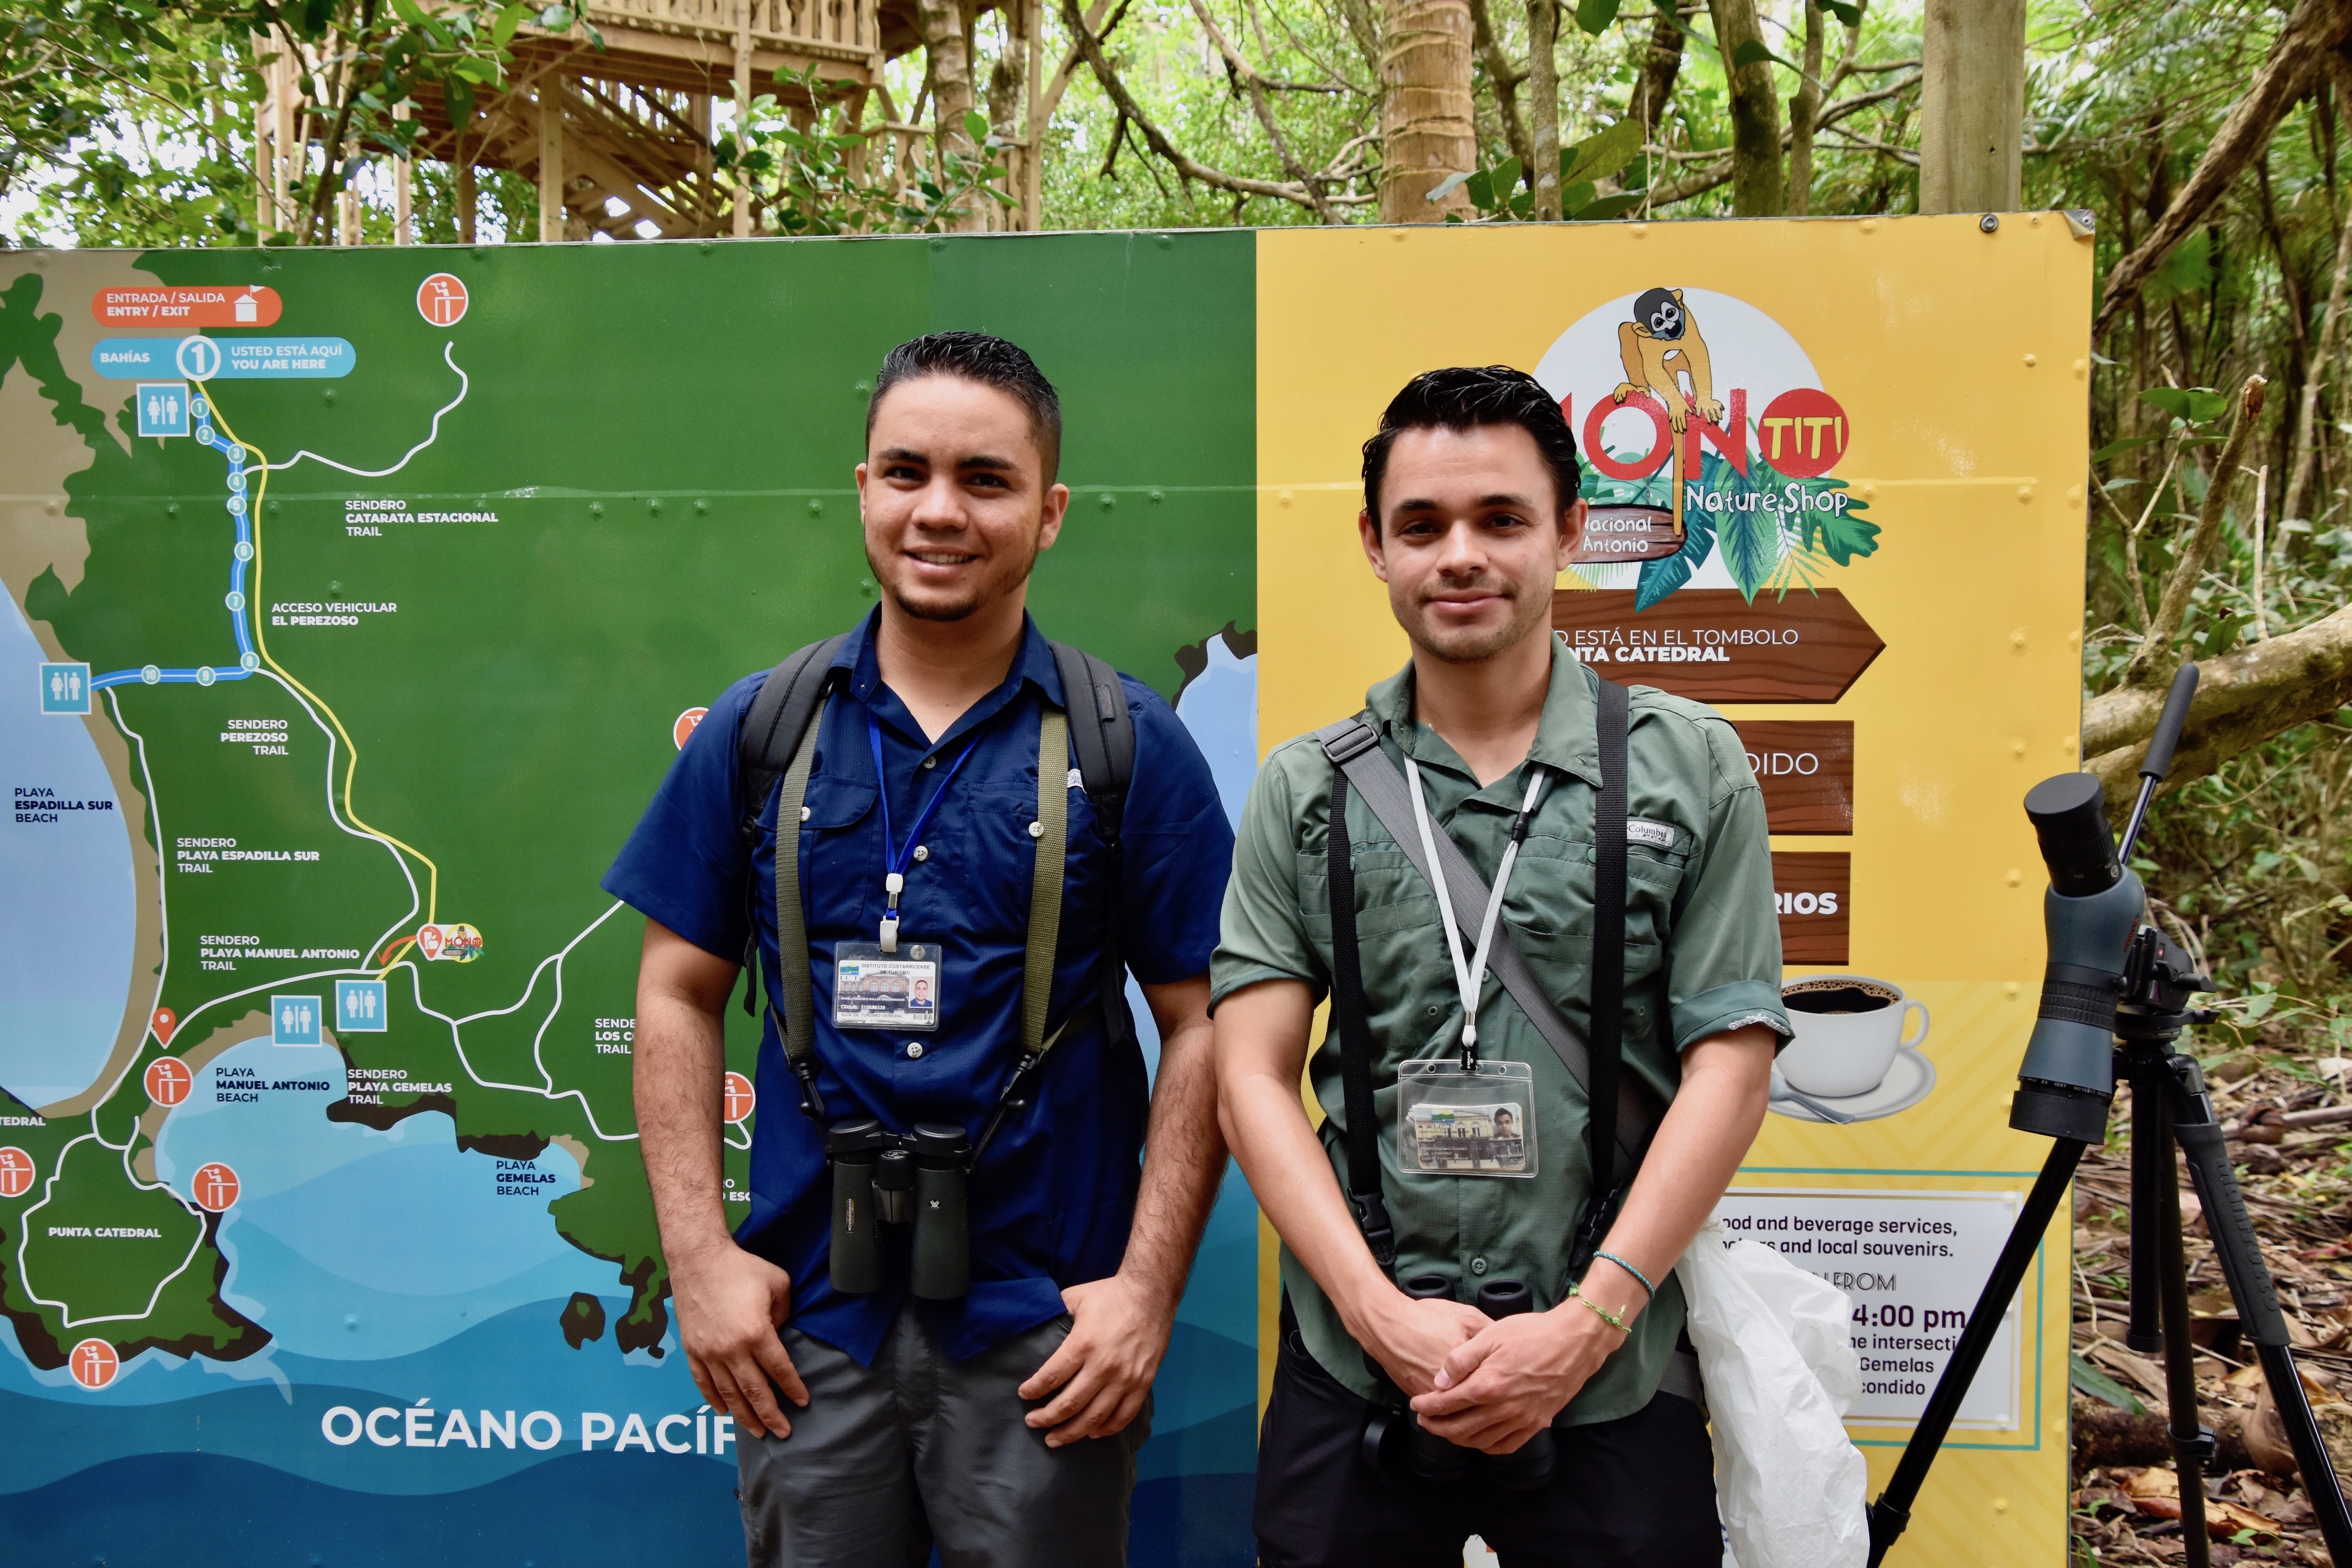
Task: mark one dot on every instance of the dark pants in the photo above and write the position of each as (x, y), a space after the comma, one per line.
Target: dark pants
(917, 1450)
(1639, 1490)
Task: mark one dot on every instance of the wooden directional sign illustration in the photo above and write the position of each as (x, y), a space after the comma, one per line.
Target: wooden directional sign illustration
(1712, 645)
(1806, 769)
(1814, 894)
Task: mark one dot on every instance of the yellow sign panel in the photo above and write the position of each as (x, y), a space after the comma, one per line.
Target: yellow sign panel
(1837, 473)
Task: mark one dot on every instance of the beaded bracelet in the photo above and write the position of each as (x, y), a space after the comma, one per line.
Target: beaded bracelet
(1651, 1291)
(1614, 1320)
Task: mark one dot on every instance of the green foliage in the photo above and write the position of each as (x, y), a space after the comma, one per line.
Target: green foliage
(1495, 191)
(827, 179)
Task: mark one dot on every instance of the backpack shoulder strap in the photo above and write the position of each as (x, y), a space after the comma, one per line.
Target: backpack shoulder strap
(1351, 1021)
(774, 725)
(779, 715)
(1102, 732)
(1611, 722)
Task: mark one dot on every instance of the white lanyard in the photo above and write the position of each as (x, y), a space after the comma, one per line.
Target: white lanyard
(1470, 977)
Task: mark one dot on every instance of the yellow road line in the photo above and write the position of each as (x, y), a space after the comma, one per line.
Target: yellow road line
(261, 643)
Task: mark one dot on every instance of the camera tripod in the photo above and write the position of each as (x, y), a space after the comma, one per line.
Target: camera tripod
(2101, 1020)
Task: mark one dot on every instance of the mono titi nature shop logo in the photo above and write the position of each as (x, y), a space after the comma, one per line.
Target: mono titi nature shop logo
(1708, 443)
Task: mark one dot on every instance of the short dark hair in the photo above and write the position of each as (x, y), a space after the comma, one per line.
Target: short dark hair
(991, 361)
(1465, 397)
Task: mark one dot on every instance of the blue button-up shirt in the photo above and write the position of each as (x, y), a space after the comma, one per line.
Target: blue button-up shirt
(1054, 1196)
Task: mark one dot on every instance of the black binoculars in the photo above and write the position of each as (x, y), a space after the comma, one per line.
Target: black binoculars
(911, 1180)
(1395, 1445)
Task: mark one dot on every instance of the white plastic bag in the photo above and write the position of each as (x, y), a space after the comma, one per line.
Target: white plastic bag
(1776, 1356)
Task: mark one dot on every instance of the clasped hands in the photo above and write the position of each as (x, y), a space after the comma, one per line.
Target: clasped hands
(1485, 1382)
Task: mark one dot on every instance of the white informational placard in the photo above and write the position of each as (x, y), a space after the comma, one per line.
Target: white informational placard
(1913, 1263)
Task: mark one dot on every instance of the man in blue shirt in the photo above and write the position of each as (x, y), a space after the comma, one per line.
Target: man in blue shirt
(913, 1420)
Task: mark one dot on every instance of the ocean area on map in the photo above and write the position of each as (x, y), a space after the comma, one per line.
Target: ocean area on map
(65, 956)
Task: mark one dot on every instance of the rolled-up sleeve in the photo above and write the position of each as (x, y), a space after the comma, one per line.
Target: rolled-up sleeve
(1725, 954)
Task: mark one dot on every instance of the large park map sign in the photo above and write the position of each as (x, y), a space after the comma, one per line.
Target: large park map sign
(356, 603)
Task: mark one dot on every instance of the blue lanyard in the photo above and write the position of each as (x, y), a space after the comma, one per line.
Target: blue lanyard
(897, 857)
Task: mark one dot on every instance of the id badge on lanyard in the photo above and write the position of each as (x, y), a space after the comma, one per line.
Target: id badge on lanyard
(1457, 1120)
(889, 984)
(1459, 1116)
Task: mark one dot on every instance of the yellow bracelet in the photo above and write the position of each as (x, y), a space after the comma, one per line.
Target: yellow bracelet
(1614, 1320)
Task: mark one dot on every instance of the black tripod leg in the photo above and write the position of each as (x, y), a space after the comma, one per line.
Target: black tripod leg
(2151, 1173)
(2192, 1444)
(1892, 1512)
(2240, 1257)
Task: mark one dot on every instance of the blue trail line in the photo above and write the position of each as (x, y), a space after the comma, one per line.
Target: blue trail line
(247, 660)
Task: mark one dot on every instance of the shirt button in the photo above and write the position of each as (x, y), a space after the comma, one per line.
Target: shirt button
(921, 853)
(930, 761)
(1477, 1265)
(1036, 829)
(914, 1050)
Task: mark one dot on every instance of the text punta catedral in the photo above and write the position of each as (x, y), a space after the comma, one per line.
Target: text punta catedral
(419, 1426)
(1675, 644)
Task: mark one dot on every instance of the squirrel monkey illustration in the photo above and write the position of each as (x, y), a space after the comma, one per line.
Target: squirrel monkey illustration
(1662, 341)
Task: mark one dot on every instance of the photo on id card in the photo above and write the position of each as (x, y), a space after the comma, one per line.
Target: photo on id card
(874, 989)
(1474, 1122)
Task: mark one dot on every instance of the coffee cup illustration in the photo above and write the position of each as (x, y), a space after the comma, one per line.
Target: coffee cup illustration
(1849, 1028)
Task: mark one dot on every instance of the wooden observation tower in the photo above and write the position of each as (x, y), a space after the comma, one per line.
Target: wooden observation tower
(619, 139)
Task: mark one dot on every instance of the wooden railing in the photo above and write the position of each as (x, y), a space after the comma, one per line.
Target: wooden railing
(844, 25)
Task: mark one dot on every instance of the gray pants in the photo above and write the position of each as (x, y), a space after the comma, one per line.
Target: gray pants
(916, 1448)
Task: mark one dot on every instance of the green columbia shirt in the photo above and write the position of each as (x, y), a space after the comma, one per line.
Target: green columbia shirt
(1703, 957)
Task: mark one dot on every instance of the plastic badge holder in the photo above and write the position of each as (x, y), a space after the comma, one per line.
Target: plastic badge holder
(1466, 1121)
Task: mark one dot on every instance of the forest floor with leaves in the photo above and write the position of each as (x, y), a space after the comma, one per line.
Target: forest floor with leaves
(2294, 1162)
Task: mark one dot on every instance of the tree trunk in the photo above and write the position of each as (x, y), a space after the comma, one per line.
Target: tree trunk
(1543, 107)
(946, 50)
(1426, 128)
(1803, 109)
(2320, 360)
(1757, 188)
(1971, 105)
(1506, 78)
(2314, 28)
(1661, 63)
(2243, 698)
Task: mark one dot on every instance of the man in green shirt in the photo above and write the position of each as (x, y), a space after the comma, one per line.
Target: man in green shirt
(1470, 512)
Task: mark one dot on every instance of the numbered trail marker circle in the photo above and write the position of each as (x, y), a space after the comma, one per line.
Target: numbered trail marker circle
(243, 549)
(199, 358)
(15, 1173)
(737, 1099)
(441, 299)
(150, 675)
(215, 1187)
(93, 1363)
(169, 1080)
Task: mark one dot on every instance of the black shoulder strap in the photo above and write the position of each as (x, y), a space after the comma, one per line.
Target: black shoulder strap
(1607, 1045)
(779, 715)
(1102, 737)
(1349, 1018)
(1102, 732)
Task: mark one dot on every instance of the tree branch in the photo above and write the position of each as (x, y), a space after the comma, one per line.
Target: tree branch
(1507, 79)
(2243, 698)
(1157, 139)
(2315, 27)
(1719, 172)
(2156, 647)
(1248, 79)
